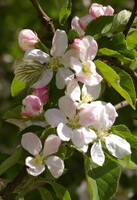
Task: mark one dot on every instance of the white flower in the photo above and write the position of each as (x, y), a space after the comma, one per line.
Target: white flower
(57, 62)
(36, 164)
(85, 69)
(84, 95)
(101, 116)
(67, 122)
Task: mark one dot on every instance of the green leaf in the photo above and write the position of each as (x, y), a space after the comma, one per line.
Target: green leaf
(102, 181)
(133, 64)
(117, 43)
(72, 35)
(115, 54)
(45, 194)
(61, 191)
(100, 25)
(65, 12)
(13, 113)
(17, 87)
(120, 20)
(12, 160)
(114, 80)
(132, 39)
(127, 84)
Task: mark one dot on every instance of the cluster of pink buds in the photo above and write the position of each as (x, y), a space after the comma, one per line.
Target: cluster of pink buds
(96, 10)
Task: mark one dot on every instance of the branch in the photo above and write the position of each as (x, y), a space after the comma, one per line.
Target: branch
(121, 105)
(131, 19)
(44, 17)
(122, 66)
(10, 187)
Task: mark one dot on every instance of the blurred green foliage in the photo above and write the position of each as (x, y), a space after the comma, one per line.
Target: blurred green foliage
(16, 15)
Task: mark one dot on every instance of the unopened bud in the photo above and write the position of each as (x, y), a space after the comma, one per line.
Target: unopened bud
(42, 93)
(27, 39)
(32, 106)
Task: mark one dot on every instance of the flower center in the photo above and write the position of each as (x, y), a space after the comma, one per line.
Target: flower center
(86, 98)
(73, 123)
(86, 69)
(102, 134)
(38, 160)
(55, 63)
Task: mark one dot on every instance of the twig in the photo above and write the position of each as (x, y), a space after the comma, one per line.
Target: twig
(117, 63)
(10, 187)
(121, 105)
(131, 19)
(44, 17)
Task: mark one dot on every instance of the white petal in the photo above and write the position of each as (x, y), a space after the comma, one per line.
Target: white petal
(66, 58)
(59, 43)
(36, 171)
(117, 146)
(76, 26)
(73, 90)
(88, 48)
(94, 91)
(31, 143)
(62, 77)
(76, 65)
(108, 116)
(44, 79)
(82, 136)
(97, 154)
(67, 106)
(37, 55)
(51, 145)
(55, 165)
(54, 117)
(29, 162)
(64, 132)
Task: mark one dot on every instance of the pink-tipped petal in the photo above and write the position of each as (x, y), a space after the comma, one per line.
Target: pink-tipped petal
(67, 106)
(88, 48)
(59, 43)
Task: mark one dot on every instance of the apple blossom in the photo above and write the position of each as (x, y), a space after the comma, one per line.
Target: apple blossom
(32, 106)
(101, 116)
(84, 95)
(68, 124)
(97, 10)
(85, 69)
(27, 39)
(55, 62)
(36, 164)
(42, 93)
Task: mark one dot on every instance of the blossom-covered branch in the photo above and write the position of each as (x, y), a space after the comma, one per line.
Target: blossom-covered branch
(44, 17)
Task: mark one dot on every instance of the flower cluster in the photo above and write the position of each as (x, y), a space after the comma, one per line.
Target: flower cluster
(80, 119)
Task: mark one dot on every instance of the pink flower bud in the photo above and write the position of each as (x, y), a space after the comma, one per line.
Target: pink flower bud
(32, 106)
(97, 10)
(42, 93)
(109, 11)
(75, 44)
(27, 39)
(84, 21)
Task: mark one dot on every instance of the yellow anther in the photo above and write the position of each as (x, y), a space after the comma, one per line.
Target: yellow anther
(86, 68)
